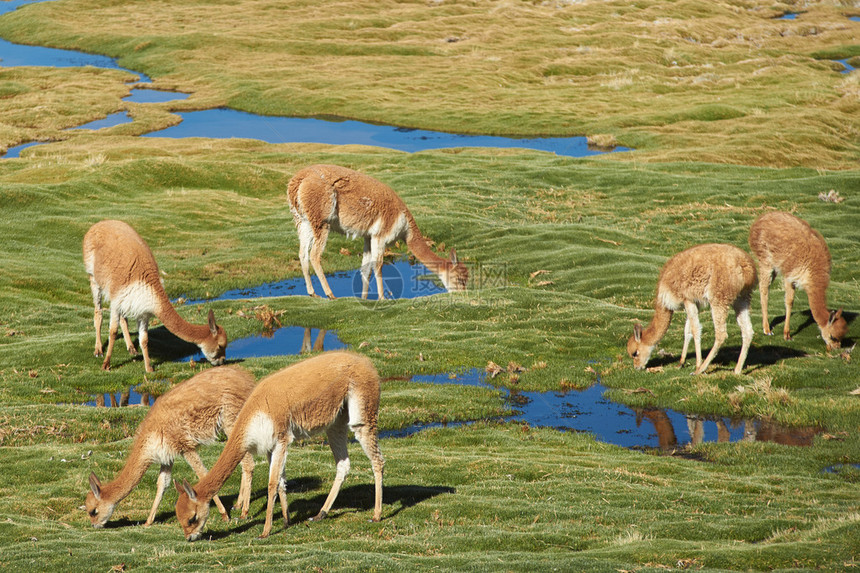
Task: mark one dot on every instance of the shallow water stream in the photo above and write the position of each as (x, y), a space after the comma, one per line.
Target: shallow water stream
(228, 123)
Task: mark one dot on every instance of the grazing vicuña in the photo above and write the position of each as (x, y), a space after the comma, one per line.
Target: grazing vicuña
(331, 393)
(787, 245)
(190, 414)
(721, 276)
(123, 270)
(330, 197)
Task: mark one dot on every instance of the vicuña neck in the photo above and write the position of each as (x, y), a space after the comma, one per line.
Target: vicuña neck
(422, 251)
(658, 326)
(129, 476)
(188, 332)
(230, 457)
(818, 306)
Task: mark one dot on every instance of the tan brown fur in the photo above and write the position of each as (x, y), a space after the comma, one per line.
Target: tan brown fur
(787, 245)
(123, 270)
(329, 197)
(721, 276)
(189, 415)
(331, 393)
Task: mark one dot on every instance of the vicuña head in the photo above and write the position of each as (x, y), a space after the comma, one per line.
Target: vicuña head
(122, 269)
(330, 197)
(721, 276)
(787, 245)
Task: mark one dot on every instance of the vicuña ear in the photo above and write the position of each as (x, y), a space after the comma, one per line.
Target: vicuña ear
(637, 332)
(185, 487)
(95, 485)
(213, 328)
(834, 316)
(453, 257)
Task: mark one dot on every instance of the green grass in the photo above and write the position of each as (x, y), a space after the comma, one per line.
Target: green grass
(733, 113)
(469, 497)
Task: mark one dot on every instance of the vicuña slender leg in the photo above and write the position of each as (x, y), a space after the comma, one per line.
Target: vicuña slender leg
(306, 239)
(123, 324)
(244, 500)
(317, 248)
(277, 461)
(377, 250)
(765, 278)
(337, 440)
(143, 338)
(97, 316)
(695, 328)
(718, 313)
(161, 483)
(742, 314)
(789, 301)
(114, 323)
(366, 268)
(369, 441)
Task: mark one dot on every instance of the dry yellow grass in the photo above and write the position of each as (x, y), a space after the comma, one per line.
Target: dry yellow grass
(717, 81)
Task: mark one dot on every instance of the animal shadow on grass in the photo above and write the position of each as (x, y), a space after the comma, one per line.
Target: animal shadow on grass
(164, 346)
(167, 347)
(302, 484)
(727, 357)
(354, 498)
(809, 321)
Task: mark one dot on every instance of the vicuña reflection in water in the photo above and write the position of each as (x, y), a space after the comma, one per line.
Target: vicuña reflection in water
(278, 342)
(401, 280)
(589, 411)
(576, 410)
(282, 341)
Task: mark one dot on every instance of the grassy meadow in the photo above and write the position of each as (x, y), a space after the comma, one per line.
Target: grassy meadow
(732, 113)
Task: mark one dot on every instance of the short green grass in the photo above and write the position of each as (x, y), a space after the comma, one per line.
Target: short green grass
(480, 496)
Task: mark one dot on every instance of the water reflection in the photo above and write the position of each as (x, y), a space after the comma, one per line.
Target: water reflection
(401, 279)
(130, 397)
(576, 411)
(726, 431)
(591, 412)
(282, 341)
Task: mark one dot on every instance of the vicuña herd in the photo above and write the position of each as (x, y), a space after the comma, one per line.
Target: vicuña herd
(335, 392)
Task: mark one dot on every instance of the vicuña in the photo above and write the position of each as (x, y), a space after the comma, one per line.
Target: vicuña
(190, 414)
(787, 245)
(721, 276)
(329, 197)
(123, 270)
(331, 393)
